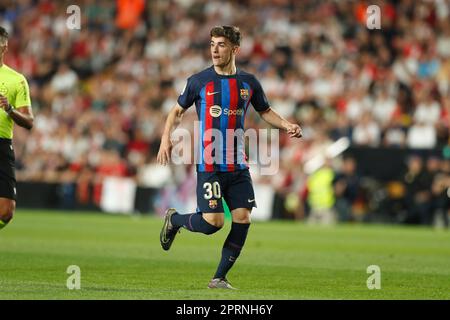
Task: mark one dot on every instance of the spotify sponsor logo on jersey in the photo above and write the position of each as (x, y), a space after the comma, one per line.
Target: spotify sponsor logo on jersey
(216, 111)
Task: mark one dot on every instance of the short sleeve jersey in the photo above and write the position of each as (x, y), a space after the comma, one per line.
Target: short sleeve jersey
(221, 103)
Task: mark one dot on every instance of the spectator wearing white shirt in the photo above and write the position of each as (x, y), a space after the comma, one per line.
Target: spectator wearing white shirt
(428, 111)
(65, 79)
(383, 107)
(357, 105)
(366, 131)
(421, 136)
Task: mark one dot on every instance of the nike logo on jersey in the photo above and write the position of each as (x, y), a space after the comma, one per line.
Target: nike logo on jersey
(211, 93)
(250, 200)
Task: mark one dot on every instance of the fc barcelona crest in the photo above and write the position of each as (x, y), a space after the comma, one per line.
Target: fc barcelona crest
(213, 204)
(244, 94)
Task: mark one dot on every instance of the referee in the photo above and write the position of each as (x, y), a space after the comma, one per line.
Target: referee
(15, 103)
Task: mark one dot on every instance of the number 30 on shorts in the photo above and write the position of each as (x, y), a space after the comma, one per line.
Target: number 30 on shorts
(212, 189)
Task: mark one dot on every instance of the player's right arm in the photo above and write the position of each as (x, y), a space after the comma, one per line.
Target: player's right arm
(173, 120)
(185, 100)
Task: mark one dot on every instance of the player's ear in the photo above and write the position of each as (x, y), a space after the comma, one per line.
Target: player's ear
(236, 49)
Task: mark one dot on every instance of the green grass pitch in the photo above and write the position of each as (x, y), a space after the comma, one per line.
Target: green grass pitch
(120, 258)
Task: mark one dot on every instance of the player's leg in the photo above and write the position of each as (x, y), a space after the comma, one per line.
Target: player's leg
(206, 223)
(233, 245)
(7, 207)
(209, 217)
(241, 199)
(7, 182)
(207, 220)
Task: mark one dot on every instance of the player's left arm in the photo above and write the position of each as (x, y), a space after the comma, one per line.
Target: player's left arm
(274, 119)
(261, 105)
(23, 115)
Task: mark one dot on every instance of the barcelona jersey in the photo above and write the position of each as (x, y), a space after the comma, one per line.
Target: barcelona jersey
(221, 103)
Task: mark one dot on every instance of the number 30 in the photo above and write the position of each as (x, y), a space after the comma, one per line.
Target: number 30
(212, 189)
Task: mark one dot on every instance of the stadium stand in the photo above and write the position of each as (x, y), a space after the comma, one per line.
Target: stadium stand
(100, 93)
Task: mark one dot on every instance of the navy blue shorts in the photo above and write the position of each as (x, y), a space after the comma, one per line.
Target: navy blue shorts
(235, 187)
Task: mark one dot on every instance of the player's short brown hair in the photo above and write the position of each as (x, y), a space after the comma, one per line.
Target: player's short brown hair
(232, 33)
(3, 34)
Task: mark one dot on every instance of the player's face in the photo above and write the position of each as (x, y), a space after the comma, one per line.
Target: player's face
(221, 51)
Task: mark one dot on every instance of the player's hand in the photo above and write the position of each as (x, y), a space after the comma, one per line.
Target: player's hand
(165, 151)
(4, 103)
(294, 130)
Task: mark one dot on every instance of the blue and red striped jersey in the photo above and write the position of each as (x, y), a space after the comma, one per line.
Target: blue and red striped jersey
(222, 102)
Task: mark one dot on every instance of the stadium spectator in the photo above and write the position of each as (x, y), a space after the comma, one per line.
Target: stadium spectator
(418, 197)
(383, 107)
(421, 136)
(321, 197)
(64, 81)
(128, 13)
(428, 111)
(441, 193)
(346, 189)
(366, 131)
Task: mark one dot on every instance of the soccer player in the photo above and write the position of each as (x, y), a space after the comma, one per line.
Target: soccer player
(221, 94)
(15, 103)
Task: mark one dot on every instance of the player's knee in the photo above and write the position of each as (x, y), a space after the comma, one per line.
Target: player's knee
(241, 216)
(7, 208)
(210, 229)
(213, 226)
(243, 220)
(215, 220)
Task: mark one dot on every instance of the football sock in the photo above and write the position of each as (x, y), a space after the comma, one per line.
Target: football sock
(232, 248)
(193, 222)
(2, 224)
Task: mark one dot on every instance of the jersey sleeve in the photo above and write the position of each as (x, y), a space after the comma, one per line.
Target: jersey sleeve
(22, 94)
(259, 100)
(189, 94)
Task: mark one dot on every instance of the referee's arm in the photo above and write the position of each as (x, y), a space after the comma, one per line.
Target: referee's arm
(22, 116)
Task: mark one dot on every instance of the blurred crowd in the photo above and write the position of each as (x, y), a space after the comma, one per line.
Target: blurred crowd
(101, 93)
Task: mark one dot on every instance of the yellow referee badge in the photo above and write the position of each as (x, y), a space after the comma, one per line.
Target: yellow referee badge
(3, 89)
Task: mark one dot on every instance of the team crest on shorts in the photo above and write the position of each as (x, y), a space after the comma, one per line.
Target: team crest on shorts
(244, 94)
(213, 204)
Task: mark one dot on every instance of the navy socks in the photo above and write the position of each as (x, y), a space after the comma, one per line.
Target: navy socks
(233, 244)
(232, 248)
(193, 222)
